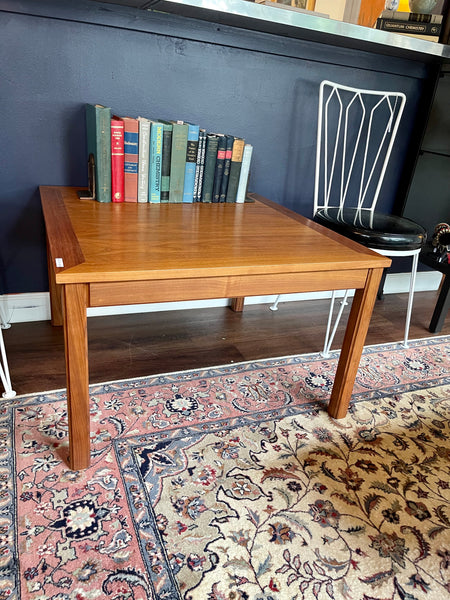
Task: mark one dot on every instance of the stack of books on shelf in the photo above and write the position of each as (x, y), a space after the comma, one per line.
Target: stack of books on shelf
(418, 25)
(156, 161)
(305, 6)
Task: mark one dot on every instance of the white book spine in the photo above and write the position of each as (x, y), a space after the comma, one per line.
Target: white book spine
(201, 169)
(143, 165)
(200, 150)
(245, 170)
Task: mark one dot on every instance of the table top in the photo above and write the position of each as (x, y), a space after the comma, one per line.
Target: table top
(91, 241)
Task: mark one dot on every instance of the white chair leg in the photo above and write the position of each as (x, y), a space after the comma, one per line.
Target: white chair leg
(412, 283)
(326, 347)
(3, 320)
(4, 371)
(274, 306)
(330, 337)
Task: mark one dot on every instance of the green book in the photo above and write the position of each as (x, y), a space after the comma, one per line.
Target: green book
(178, 160)
(212, 142)
(235, 169)
(98, 130)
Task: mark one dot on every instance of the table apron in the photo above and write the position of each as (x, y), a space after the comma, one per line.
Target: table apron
(203, 288)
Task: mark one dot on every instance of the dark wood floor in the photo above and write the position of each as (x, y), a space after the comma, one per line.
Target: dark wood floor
(144, 344)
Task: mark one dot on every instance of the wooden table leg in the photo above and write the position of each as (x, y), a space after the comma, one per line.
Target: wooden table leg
(355, 335)
(237, 304)
(55, 293)
(77, 374)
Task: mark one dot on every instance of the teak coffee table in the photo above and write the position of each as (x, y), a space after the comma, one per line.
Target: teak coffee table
(116, 254)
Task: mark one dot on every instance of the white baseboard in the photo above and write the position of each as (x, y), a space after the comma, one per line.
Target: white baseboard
(22, 308)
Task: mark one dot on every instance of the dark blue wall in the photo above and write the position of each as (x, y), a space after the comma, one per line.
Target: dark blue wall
(55, 57)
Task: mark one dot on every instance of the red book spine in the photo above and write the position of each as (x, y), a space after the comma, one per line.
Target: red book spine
(117, 161)
(131, 149)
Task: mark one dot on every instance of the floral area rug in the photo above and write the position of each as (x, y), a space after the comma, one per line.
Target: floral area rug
(233, 483)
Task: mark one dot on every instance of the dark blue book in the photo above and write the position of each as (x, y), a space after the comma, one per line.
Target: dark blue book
(165, 161)
(226, 168)
(200, 167)
(220, 161)
(191, 162)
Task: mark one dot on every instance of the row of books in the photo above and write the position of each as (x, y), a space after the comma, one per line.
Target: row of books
(424, 26)
(144, 160)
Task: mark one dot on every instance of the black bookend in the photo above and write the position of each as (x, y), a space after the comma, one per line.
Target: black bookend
(89, 194)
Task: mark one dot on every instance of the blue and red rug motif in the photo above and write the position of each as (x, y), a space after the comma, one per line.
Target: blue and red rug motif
(233, 483)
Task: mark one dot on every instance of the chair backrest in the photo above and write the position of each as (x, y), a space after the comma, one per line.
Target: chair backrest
(355, 134)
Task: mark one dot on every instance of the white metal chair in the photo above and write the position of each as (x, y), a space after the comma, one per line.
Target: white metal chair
(4, 369)
(355, 135)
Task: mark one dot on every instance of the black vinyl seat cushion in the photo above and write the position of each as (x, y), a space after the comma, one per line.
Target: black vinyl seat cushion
(382, 232)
